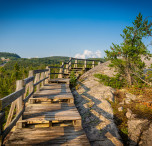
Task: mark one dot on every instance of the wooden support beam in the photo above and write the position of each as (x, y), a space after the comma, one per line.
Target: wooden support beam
(29, 79)
(2, 117)
(93, 64)
(10, 115)
(10, 98)
(47, 74)
(76, 63)
(12, 124)
(37, 79)
(85, 64)
(41, 78)
(31, 84)
(19, 102)
(61, 71)
(67, 70)
(70, 63)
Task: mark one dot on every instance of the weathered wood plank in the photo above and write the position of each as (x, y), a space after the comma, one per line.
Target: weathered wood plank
(10, 98)
(40, 81)
(27, 97)
(10, 115)
(49, 136)
(29, 79)
(12, 124)
(19, 101)
(2, 117)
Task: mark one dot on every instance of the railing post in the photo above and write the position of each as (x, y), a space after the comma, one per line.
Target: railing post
(67, 66)
(31, 84)
(47, 74)
(70, 63)
(93, 65)
(19, 101)
(85, 64)
(61, 71)
(76, 63)
(41, 78)
(37, 79)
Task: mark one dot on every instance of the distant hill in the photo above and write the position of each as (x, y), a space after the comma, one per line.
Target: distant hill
(9, 55)
(36, 62)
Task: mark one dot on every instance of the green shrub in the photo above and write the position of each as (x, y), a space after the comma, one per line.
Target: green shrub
(114, 82)
(73, 79)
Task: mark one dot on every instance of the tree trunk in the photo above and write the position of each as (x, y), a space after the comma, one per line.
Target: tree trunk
(128, 75)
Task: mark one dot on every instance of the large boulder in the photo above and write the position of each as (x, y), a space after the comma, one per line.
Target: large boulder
(139, 130)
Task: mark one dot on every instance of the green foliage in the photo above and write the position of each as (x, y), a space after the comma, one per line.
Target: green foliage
(114, 82)
(9, 55)
(19, 68)
(36, 62)
(73, 79)
(126, 57)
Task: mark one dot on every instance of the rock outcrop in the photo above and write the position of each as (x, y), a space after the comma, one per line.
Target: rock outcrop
(139, 130)
(91, 99)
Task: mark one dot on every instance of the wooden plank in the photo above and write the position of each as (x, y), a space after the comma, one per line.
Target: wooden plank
(66, 96)
(40, 81)
(12, 124)
(27, 97)
(10, 98)
(49, 136)
(10, 115)
(2, 117)
(19, 101)
(31, 87)
(41, 70)
(29, 79)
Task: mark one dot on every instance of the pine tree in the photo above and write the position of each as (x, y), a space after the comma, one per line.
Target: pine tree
(126, 57)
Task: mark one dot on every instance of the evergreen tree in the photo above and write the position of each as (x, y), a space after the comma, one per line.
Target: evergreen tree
(126, 57)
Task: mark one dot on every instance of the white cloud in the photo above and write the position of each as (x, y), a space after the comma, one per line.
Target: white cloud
(89, 54)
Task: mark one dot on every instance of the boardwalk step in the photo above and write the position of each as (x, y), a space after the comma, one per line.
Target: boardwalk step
(43, 113)
(69, 136)
(53, 99)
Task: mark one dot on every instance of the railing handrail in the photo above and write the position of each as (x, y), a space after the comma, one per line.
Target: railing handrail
(13, 97)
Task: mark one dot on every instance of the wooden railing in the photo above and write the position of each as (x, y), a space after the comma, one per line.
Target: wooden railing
(18, 99)
(66, 66)
(25, 90)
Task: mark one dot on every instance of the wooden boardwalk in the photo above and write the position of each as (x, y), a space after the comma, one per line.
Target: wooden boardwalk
(50, 118)
(42, 110)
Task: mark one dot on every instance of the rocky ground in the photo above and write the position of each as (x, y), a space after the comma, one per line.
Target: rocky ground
(91, 99)
(93, 102)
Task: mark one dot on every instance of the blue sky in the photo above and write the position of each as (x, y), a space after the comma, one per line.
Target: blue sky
(45, 28)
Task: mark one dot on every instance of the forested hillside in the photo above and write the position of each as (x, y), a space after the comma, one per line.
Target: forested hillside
(9, 55)
(18, 69)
